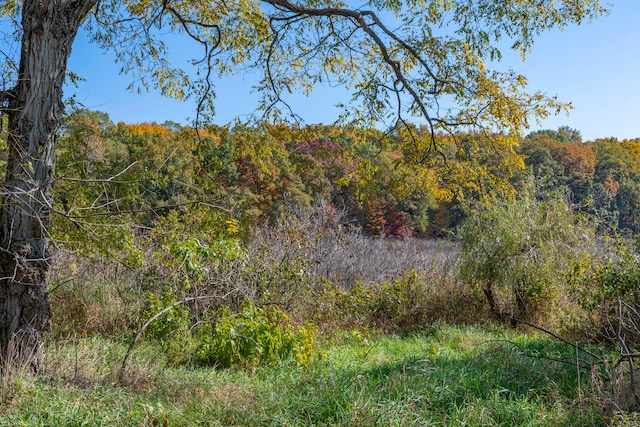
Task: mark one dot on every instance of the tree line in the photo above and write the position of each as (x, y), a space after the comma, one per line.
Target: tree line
(380, 183)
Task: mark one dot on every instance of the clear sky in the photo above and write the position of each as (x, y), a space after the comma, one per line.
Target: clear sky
(596, 66)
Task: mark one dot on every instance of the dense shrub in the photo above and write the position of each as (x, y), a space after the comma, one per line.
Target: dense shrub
(608, 285)
(412, 301)
(94, 296)
(517, 252)
(224, 338)
(308, 265)
(254, 336)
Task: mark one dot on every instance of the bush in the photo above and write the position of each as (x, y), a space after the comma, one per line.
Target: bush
(607, 285)
(518, 253)
(94, 295)
(412, 301)
(222, 338)
(253, 337)
(172, 329)
(609, 274)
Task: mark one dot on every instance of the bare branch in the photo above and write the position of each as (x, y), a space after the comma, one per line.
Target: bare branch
(558, 337)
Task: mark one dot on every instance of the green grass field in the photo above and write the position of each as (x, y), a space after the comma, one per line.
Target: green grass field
(447, 375)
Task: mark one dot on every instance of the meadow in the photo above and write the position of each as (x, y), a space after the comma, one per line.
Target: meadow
(446, 375)
(395, 338)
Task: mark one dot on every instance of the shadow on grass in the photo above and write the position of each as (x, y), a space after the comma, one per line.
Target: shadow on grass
(449, 376)
(497, 382)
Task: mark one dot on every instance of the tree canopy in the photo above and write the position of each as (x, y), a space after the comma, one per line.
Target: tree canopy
(427, 59)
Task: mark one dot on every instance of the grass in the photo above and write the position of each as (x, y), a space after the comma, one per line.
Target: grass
(445, 376)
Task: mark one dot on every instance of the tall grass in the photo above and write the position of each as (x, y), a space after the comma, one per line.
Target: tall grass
(446, 376)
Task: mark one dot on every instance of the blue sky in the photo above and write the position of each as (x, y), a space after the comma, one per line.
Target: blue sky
(596, 66)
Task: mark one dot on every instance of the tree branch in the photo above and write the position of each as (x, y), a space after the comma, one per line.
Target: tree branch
(558, 337)
(368, 22)
(155, 317)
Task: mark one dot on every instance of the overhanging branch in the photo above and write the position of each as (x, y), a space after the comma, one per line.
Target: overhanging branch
(373, 27)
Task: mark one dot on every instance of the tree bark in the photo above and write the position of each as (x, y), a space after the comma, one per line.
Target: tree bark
(35, 112)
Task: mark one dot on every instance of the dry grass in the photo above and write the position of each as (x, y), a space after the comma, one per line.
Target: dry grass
(93, 296)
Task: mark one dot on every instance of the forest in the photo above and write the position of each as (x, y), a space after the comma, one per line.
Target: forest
(385, 184)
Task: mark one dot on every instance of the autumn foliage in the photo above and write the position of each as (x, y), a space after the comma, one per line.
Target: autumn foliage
(399, 184)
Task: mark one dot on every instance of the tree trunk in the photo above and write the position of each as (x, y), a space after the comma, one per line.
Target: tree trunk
(35, 113)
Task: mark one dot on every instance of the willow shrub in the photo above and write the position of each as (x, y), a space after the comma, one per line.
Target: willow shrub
(518, 253)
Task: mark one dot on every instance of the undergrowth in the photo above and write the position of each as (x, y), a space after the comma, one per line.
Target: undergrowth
(235, 325)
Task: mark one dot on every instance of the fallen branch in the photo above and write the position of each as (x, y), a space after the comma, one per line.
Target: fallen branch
(558, 337)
